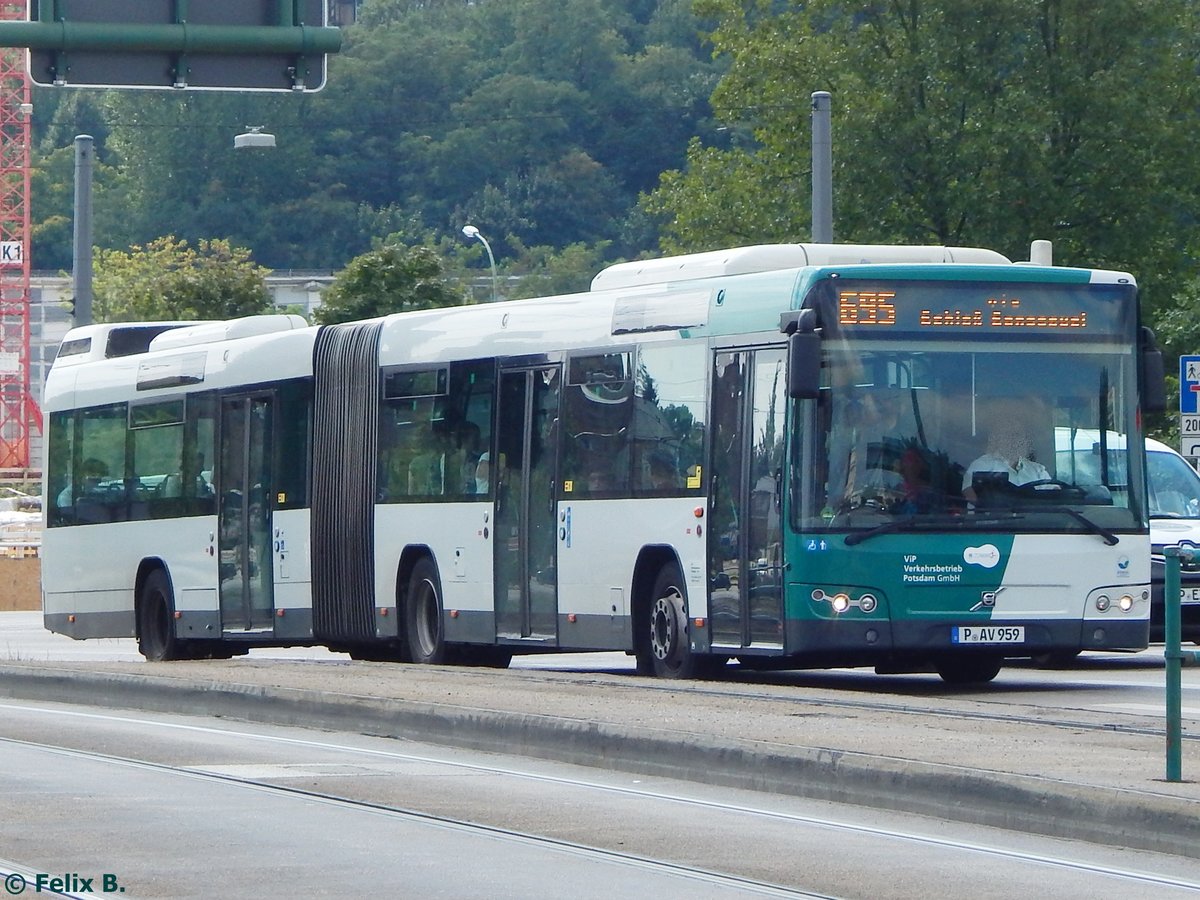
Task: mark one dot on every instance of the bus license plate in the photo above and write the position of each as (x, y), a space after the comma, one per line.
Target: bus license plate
(1189, 595)
(989, 634)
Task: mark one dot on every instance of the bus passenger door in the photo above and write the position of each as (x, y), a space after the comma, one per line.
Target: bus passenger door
(244, 515)
(526, 472)
(745, 552)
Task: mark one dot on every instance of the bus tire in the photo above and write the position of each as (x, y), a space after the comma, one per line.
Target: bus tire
(968, 669)
(1055, 659)
(669, 650)
(156, 631)
(423, 615)
(481, 656)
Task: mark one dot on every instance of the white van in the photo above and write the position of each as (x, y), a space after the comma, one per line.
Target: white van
(1174, 520)
(1174, 496)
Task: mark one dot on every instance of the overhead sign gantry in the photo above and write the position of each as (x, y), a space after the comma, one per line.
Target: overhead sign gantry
(265, 45)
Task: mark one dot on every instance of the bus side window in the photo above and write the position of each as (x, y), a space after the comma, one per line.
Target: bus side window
(411, 426)
(597, 408)
(156, 437)
(669, 419)
(60, 500)
(102, 438)
(200, 454)
(468, 411)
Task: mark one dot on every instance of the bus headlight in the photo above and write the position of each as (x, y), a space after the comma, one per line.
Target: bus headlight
(842, 601)
(1103, 603)
(1126, 603)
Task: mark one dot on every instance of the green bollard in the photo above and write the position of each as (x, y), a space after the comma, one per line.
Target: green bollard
(1174, 659)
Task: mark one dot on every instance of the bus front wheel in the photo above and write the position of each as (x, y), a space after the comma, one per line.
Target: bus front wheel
(968, 669)
(423, 615)
(156, 624)
(665, 650)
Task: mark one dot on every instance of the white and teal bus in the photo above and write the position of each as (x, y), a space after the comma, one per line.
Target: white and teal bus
(766, 454)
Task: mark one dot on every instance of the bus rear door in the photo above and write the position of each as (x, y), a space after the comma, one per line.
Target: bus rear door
(526, 474)
(244, 515)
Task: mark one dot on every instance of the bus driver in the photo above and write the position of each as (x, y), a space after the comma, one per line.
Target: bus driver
(1009, 451)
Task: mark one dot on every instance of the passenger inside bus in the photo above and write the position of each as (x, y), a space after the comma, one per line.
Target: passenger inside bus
(427, 471)
(465, 459)
(482, 473)
(917, 494)
(662, 472)
(91, 471)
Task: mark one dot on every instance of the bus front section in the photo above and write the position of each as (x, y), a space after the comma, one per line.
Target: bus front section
(944, 512)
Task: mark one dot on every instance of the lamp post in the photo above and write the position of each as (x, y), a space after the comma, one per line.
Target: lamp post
(472, 232)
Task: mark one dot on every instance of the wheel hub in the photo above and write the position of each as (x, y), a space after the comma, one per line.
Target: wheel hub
(663, 628)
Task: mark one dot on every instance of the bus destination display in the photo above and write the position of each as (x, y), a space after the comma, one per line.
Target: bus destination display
(929, 309)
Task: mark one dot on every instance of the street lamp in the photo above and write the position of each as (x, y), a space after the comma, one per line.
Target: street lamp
(254, 138)
(472, 232)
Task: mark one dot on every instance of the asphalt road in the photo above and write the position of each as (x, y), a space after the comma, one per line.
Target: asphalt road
(161, 805)
(1077, 753)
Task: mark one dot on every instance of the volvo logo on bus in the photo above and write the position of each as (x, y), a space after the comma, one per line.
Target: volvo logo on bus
(987, 599)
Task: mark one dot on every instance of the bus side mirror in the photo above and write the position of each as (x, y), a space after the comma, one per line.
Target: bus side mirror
(1154, 381)
(804, 365)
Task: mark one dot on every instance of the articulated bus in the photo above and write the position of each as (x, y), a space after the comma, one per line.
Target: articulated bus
(768, 454)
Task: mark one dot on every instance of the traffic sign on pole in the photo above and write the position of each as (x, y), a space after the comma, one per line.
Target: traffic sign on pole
(1189, 385)
(1189, 436)
(264, 45)
(1189, 406)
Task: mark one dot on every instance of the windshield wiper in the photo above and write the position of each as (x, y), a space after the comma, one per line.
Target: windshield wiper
(1109, 537)
(857, 537)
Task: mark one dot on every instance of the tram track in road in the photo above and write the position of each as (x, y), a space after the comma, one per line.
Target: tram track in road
(753, 816)
(943, 704)
(1016, 755)
(693, 875)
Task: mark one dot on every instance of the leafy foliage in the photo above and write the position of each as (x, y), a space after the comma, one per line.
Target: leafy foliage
(391, 278)
(976, 122)
(538, 120)
(979, 122)
(169, 280)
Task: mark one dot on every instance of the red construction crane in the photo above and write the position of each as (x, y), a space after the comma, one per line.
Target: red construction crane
(19, 413)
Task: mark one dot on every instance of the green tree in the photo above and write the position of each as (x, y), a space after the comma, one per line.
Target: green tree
(169, 280)
(985, 122)
(551, 272)
(554, 114)
(389, 279)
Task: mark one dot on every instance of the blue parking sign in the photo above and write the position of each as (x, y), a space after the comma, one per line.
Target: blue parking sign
(1189, 385)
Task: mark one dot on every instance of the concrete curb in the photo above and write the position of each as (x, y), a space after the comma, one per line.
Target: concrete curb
(1024, 803)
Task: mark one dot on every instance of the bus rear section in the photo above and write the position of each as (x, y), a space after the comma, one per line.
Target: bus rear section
(176, 488)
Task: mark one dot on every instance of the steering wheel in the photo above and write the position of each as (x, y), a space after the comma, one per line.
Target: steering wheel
(873, 498)
(1048, 487)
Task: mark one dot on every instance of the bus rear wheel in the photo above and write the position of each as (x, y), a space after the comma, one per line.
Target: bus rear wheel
(968, 669)
(156, 624)
(665, 650)
(423, 615)
(488, 657)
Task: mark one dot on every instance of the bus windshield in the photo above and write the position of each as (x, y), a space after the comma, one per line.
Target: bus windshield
(938, 434)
